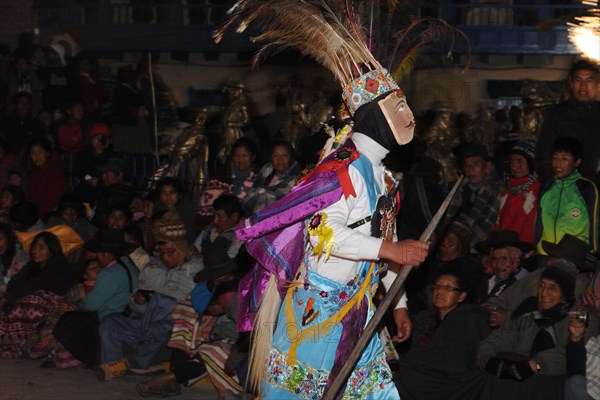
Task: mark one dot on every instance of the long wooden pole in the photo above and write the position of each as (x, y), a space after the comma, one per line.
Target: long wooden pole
(154, 111)
(340, 380)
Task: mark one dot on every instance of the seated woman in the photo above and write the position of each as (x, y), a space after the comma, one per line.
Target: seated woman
(32, 294)
(12, 256)
(46, 182)
(504, 252)
(77, 331)
(235, 177)
(441, 361)
(47, 346)
(275, 179)
(454, 245)
(171, 197)
(525, 357)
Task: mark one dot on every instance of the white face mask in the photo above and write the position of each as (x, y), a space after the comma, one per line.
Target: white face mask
(399, 117)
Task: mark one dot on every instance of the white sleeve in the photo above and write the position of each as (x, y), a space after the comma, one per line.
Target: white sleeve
(387, 281)
(352, 244)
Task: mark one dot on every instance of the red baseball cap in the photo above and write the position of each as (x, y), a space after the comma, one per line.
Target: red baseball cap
(99, 129)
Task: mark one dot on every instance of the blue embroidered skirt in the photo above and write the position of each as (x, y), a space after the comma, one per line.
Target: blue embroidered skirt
(313, 303)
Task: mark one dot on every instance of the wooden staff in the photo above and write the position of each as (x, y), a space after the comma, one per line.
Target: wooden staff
(392, 292)
(154, 113)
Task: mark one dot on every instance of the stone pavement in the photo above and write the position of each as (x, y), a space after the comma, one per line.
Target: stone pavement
(24, 380)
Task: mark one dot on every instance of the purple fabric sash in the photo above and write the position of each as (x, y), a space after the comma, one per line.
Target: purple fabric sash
(275, 236)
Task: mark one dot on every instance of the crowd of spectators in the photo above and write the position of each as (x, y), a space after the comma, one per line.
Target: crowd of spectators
(99, 272)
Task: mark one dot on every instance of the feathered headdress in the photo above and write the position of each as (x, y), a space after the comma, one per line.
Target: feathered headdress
(329, 31)
(333, 33)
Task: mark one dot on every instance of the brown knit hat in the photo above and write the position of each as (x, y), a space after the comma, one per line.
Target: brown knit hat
(172, 230)
(460, 228)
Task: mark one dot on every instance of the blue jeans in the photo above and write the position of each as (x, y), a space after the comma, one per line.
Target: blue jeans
(575, 388)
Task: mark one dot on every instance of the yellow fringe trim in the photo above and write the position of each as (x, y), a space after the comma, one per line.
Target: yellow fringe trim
(297, 335)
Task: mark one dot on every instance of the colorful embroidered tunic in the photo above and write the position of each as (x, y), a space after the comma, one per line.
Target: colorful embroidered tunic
(329, 302)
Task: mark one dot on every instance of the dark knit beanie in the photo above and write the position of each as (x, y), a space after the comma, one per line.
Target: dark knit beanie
(564, 277)
(527, 150)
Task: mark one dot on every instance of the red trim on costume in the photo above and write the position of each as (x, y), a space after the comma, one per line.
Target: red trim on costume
(345, 181)
(338, 163)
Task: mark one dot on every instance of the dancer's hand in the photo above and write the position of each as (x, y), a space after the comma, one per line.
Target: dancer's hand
(403, 325)
(406, 252)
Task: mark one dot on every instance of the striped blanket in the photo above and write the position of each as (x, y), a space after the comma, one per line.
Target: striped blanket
(19, 329)
(214, 356)
(189, 332)
(194, 337)
(46, 343)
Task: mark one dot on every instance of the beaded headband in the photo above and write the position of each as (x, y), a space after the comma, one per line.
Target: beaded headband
(367, 88)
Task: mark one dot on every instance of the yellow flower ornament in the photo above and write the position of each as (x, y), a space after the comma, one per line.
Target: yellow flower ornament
(317, 226)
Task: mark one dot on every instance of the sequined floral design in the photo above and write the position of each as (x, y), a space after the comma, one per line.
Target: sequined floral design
(309, 383)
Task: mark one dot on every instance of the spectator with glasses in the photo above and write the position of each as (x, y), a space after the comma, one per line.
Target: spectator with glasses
(441, 361)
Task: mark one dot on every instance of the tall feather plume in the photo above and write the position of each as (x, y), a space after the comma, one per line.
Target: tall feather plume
(422, 34)
(328, 31)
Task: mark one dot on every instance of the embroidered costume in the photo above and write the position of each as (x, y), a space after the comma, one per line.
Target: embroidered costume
(324, 238)
(329, 302)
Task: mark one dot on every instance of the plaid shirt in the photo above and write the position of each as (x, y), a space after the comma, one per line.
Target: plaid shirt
(593, 366)
(482, 214)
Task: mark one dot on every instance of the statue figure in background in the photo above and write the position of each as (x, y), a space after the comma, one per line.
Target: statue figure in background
(235, 119)
(484, 129)
(296, 126)
(440, 138)
(321, 111)
(189, 156)
(536, 97)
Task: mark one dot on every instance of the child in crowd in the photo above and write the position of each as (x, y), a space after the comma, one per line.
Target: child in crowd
(62, 358)
(70, 134)
(15, 177)
(220, 236)
(90, 271)
(9, 196)
(118, 217)
(137, 208)
(570, 204)
(149, 200)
